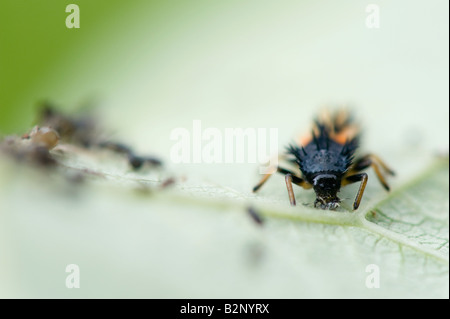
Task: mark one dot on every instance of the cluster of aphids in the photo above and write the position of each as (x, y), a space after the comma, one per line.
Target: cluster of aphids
(55, 127)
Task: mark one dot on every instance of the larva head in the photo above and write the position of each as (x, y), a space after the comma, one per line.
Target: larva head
(326, 187)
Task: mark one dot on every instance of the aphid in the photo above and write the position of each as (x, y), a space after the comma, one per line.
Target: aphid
(168, 182)
(32, 147)
(43, 136)
(135, 161)
(326, 161)
(255, 216)
(82, 130)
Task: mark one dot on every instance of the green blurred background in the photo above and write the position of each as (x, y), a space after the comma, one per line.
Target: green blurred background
(235, 63)
(42, 59)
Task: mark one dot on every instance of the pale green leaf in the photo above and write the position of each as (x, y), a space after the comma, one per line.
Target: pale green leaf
(195, 240)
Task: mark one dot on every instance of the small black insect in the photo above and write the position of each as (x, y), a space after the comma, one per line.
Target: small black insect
(255, 216)
(135, 161)
(326, 161)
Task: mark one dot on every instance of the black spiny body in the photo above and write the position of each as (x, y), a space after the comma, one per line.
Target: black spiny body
(323, 162)
(326, 161)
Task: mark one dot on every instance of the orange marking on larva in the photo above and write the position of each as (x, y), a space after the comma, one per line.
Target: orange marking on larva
(304, 139)
(346, 134)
